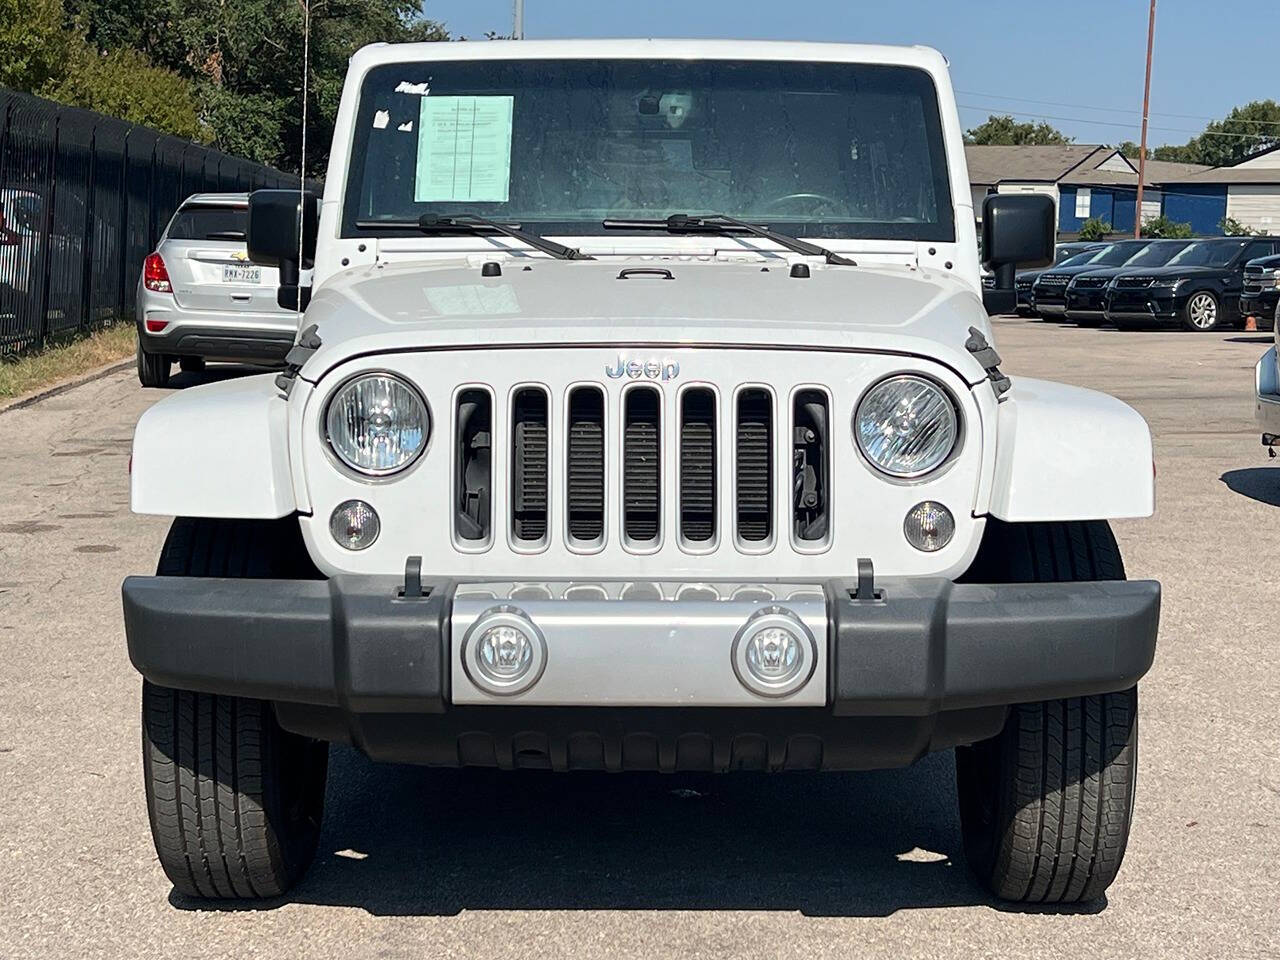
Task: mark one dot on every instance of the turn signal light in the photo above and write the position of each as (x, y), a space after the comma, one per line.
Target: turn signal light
(155, 276)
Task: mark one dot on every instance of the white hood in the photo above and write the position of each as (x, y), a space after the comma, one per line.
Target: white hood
(544, 302)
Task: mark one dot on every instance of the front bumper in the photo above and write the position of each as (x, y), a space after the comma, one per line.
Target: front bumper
(925, 664)
(1261, 305)
(1266, 390)
(1086, 304)
(1144, 304)
(1050, 302)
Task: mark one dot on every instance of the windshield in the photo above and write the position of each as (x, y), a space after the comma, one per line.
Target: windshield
(812, 149)
(1079, 259)
(1210, 254)
(209, 223)
(1156, 255)
(1116, 254)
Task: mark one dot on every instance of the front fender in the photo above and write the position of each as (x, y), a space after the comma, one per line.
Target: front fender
(1067, 453)
(218, 450)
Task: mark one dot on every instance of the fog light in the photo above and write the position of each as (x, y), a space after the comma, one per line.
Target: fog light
(929, 526)
(354, 524)
(503, 652)
(774, 653)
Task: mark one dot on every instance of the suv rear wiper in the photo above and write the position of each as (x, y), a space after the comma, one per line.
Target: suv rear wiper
(721, 223)
(472, 223)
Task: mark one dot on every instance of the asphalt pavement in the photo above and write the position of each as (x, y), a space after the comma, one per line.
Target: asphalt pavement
(419, 863)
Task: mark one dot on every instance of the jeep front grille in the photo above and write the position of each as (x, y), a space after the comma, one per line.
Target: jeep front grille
(754, 465)
(529, 465)
(538, 468)
(584, 465)
(698, 465)
(641, 465)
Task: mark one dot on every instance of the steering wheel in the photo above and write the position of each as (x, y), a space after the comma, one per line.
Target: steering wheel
(818, 203)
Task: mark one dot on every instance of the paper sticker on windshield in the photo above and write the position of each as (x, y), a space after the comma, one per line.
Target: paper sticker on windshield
(464, 150)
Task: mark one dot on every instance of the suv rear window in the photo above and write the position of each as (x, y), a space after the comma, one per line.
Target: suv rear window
(209, 223)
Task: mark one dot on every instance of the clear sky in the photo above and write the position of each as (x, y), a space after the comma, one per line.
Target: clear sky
(1082, 59)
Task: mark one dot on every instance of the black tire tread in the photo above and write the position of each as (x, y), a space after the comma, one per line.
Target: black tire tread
(153, 368)
(1058, 782)
(222, 778)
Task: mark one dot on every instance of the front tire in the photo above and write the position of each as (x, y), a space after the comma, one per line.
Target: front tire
(1201, 313)
(235, 801)
(1046, 806)
(153, 368)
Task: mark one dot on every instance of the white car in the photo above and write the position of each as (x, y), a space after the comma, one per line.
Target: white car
(645, 416)
(200, 298)
(20, 227)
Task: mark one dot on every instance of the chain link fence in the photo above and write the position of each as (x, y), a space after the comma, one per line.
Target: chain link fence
(83, 200)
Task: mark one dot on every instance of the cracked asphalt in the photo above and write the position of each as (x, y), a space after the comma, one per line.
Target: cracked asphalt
(416, 863)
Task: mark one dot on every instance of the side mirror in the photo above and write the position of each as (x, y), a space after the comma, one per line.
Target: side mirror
(280, 223)
(1017, 231)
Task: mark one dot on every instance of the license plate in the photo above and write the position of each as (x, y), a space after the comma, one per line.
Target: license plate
(241, 273)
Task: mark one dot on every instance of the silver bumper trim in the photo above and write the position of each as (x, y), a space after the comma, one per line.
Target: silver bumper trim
(642, 644)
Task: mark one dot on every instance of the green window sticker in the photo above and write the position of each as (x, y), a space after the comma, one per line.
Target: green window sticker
(464, 150)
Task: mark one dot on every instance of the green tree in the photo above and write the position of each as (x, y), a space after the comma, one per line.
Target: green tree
(33, 44)
(1005, 131)
(1162, 227)
(123, 84)
(1246, 130)
(1132, 150)
(1095, 228)
(44, 53)
(1174, 154)
(243, 58)
(1232, 227)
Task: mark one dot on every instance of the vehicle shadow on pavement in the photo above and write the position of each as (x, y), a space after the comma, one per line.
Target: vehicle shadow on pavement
(214, 373)
(1256, 483)
(411, 841)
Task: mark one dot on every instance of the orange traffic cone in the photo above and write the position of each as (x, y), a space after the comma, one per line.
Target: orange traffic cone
(1251, 324)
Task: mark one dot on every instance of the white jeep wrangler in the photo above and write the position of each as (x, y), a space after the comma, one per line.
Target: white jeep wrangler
(725, 476)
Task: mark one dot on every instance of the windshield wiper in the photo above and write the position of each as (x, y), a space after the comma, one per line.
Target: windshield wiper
(472, 223)
(721, 223)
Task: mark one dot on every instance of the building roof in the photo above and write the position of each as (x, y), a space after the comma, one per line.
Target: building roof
(1046, 164)
(1229, 175)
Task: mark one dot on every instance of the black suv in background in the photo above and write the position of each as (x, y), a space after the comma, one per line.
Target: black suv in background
(1050, 289)
(1199, 288)
(1022, 282)
(1086, 295)
(1261, 290)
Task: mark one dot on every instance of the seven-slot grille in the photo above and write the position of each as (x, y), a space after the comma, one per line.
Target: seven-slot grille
(726, 449)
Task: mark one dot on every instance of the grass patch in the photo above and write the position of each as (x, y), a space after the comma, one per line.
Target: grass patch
(70, 358)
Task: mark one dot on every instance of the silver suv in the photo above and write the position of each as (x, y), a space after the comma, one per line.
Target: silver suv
(199, 297)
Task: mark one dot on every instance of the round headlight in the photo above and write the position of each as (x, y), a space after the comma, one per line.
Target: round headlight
(906, 426)
(377, 424)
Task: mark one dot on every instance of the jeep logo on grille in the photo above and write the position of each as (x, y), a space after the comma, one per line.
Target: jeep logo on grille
(648, 369)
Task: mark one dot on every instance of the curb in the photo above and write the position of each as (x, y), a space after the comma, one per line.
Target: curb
(45, 393)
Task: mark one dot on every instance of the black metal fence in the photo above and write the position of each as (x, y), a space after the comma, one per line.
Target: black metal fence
(83, 200)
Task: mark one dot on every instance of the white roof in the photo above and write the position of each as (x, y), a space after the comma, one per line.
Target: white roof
(218, 199)
(381, 53)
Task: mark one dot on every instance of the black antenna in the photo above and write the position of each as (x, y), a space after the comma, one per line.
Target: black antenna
(302, 164)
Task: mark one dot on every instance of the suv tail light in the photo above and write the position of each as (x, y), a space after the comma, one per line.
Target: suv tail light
(154, 274)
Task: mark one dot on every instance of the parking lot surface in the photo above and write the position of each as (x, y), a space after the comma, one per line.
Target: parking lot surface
(441, 864)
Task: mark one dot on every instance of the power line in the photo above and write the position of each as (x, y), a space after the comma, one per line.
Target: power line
(1116, 123)
(1089, 106)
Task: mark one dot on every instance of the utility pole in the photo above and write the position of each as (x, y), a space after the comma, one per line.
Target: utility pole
(517, 30)
(1146, 105)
